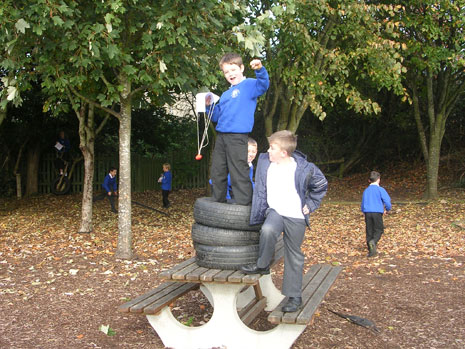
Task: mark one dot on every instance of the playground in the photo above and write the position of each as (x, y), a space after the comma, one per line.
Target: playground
(61, 289)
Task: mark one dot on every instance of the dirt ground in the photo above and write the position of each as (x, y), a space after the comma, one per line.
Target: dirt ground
(58, 287)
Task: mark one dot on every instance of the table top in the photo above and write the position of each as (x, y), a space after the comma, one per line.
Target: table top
(190, 271)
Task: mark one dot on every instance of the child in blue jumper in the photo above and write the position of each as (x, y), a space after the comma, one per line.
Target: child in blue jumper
(110, 189)
(165, 180)
(234, 116)
(375, 200)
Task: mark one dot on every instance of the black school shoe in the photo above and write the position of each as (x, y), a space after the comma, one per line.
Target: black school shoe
(293, 304)
(254, 269)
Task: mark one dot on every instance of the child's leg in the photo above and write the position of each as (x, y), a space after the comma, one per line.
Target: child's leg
(369, 227)
(269, 234)
(111, 198)
(294, 233)
(378, 227)
(219, 169)
(164, 194)
(236, 153)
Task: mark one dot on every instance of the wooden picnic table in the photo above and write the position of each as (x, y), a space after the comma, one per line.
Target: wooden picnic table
(237, 299)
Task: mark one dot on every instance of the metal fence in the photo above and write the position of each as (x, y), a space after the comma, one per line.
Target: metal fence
(187, 172)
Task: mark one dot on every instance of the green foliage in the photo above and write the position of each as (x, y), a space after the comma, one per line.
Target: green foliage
(318, 51)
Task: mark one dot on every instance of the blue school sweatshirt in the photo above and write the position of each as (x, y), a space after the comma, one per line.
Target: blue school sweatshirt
(109, 183)
(166, 180)
(374, 199)
(235, 111)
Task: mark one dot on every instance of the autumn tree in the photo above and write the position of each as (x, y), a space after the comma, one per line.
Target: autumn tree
(112, 54)
(432, 37)
(318, 52)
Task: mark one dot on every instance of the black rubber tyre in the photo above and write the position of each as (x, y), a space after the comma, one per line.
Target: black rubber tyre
(225, 257)
(61, 185)
(219, 215)
(212, 236)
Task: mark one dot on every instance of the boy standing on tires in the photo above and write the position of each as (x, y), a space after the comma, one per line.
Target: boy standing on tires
(287, 189)
(109, 189)
(234, 116)
(375, 200)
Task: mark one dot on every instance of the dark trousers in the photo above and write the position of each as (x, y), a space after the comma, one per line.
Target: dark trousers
(230, 156)
(294, 233)
(374, 226)
(103, 195)
(164, 195)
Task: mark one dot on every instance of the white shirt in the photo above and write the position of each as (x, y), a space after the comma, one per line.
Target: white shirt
(282, 194)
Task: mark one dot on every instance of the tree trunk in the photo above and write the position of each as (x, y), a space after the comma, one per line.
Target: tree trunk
(124, 248)
(86, 144)
(32, 181)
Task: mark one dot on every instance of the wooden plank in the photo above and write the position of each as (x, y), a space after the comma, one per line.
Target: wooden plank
(250, 313)
(159, 292)
(222, 276)
(236, 277)
(310, 282)
(166, 274)
(195, 274)
(308, 294)
(209, 275)
(154, 308)
(251, 279)
(181, 274)
(125, 308)
(309, 309)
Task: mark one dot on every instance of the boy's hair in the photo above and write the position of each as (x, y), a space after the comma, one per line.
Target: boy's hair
(231, 58)
(112, 169)
(374, 176)
(285, 139)
(167, 165)
(252, 141)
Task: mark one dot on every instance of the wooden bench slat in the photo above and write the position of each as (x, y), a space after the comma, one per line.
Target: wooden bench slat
(208, 276)
(155, 307)
(181, 274)
(251, 311)
(166, 274)
(236, 277)
(195, 274)
(315, 284)
(309, 309)
(222, 276)
(308, 292)
(139, 307)
(125, 308)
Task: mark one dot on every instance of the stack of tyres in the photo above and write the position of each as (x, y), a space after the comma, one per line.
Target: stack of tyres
(222, 236)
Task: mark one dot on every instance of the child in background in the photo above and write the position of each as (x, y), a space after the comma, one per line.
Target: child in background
(375, 200)
(165, 180)
(110, 189)
(234, 116)
(287, 189)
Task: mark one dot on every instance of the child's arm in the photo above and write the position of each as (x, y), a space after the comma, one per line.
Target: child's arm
(386, 199)
(263, 81)
(317, 185)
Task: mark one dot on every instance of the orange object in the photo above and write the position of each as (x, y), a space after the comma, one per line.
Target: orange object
(198, 157)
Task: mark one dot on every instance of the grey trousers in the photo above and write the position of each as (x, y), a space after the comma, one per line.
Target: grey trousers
(294, 233)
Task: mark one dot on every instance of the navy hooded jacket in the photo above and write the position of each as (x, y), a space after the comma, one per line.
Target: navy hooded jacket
(310, 183)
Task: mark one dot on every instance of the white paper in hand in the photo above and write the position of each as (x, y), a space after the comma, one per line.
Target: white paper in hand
(200, 101)
(59, 146)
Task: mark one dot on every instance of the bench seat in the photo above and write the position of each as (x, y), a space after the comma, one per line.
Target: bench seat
(152, 302)
(316, 283)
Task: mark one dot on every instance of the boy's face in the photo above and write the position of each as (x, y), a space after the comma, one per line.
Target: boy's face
(276, 154)
(251, 152)
(165, 169)
(233, 73)
(113, 173)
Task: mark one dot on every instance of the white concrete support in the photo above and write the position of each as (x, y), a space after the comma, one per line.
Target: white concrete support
(225, 328)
